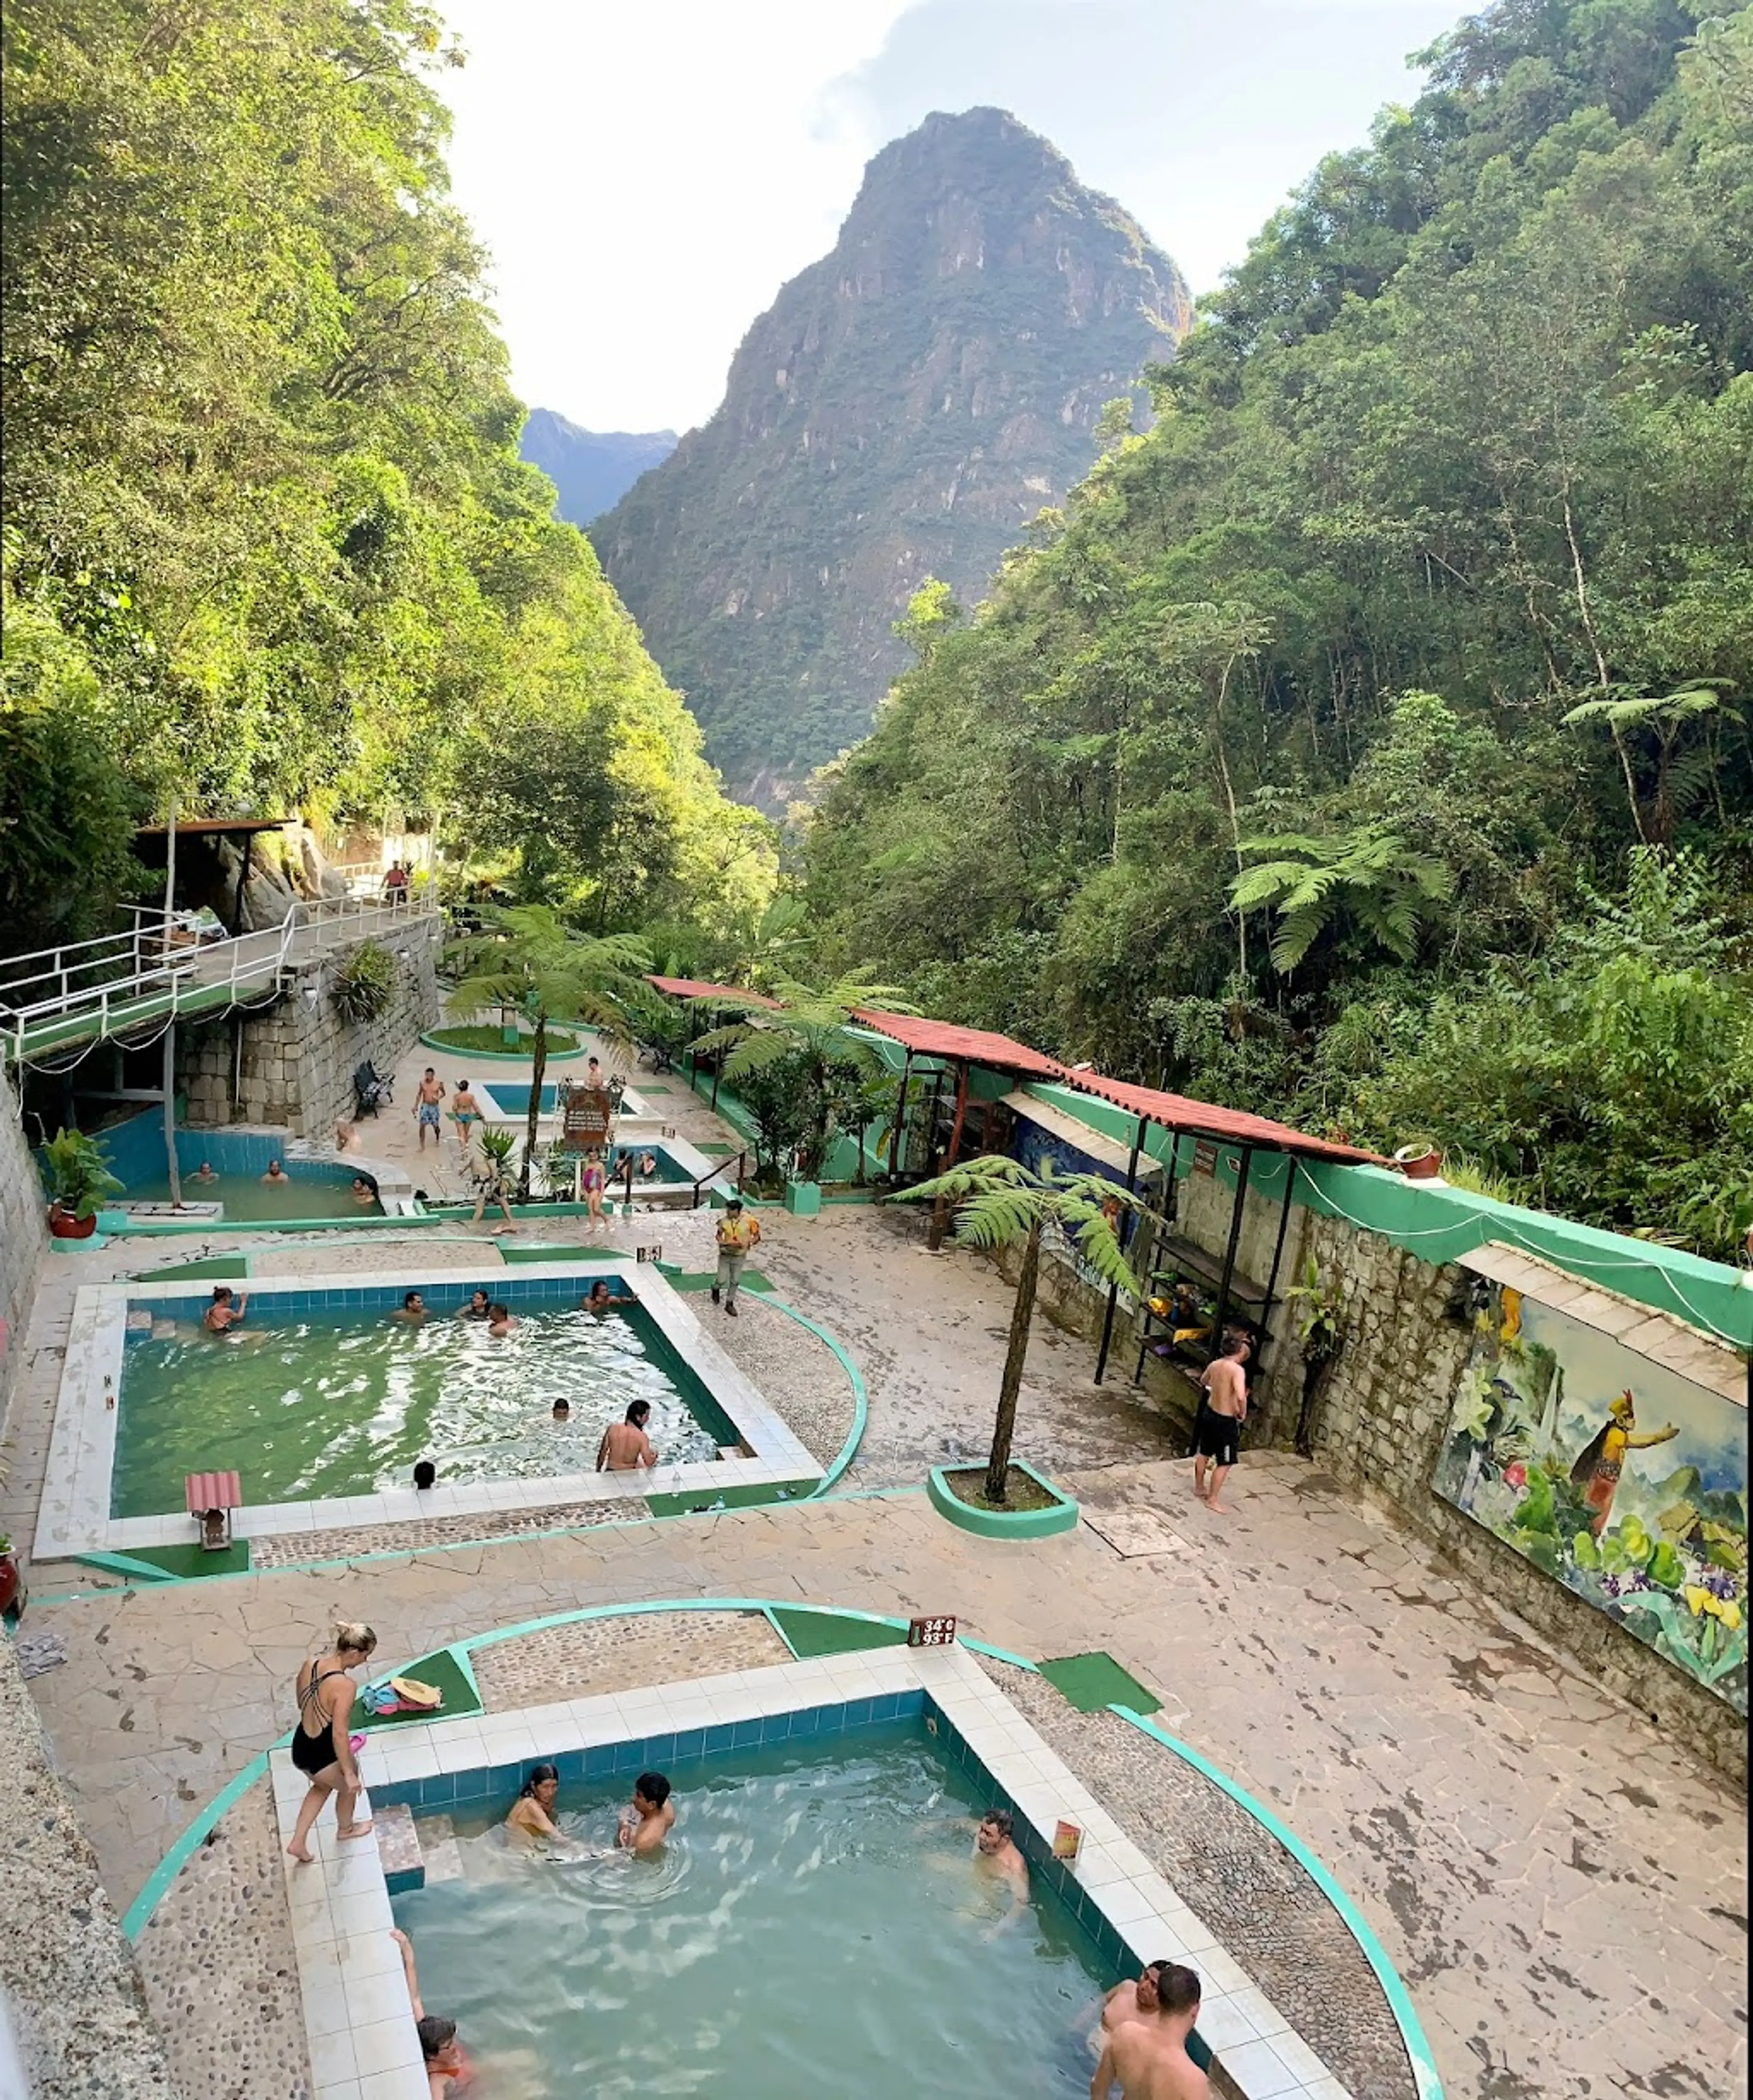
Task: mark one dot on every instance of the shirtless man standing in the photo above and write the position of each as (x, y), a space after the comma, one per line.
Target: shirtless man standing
(429, 1110)
(1218, 1431)
(625, 1447)
(1148, 2056)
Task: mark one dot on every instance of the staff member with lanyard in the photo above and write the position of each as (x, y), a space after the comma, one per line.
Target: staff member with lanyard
(737, 1234)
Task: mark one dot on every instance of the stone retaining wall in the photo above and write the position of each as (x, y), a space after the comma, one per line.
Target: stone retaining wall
(1379, 1423)
(66, 1976)
(24, 1236)
(298, 1059)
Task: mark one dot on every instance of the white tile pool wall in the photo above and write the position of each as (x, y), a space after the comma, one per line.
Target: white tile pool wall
(74, 1515)
(358, 2017)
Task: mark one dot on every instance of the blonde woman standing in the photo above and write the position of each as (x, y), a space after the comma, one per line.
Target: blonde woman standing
(322, 1747)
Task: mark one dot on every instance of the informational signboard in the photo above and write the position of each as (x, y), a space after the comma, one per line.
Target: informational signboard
(1068, 1839)
(648, 1253)
(931, 1632)
(586, 1114)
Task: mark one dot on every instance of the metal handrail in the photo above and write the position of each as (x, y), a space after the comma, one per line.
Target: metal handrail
(250, 959)
(705, 1180)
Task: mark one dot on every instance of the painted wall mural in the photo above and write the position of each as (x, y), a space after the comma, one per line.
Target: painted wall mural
(1619, 1478)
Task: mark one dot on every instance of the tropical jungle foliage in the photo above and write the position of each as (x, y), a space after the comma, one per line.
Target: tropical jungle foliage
(269, 543)
(1368, 743)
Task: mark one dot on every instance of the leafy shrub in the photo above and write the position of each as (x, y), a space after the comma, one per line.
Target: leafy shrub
(365, 984)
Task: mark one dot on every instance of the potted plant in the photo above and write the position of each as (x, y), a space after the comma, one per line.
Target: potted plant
(1419, 1163)
(78, 1182)
(1320, 1330)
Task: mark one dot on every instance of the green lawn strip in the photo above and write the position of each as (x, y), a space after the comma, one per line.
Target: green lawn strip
(441, 1669)
(1092, 1681)
(719, 1151)
(186, 1562)
(702, 1279)
(810, 1634)
(512, 1256)
(750, 1497)
(220, 1267)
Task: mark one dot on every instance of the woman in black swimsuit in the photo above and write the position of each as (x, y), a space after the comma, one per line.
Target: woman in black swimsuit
(322, 1745)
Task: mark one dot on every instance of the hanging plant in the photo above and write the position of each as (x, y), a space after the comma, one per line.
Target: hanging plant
(364, 985)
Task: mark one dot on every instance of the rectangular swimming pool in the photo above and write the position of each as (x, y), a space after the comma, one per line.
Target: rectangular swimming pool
(816, 1925)
(324, 1414)
(307, 1401)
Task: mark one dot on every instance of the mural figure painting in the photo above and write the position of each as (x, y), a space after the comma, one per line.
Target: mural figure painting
(1597, 1472)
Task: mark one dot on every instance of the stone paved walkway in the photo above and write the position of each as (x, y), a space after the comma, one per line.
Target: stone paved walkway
(1561, 1892)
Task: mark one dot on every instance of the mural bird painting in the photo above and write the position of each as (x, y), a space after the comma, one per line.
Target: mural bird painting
(1597, 1472)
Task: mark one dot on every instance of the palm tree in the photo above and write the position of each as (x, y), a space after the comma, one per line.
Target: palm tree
(527, 959)
(808, 1025)
(1372, 876)
(999, 1201)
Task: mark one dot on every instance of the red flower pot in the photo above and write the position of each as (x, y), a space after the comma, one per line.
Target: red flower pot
(65, 1226)
(1419, 1163)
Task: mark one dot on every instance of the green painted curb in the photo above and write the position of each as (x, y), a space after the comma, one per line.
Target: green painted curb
(1425, 2076)
(1020, 1525)
(861, 1402)
(124, 1564)
(503, 1057)
(138, 1914)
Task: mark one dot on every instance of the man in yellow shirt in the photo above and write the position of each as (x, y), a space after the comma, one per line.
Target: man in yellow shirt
(737, 1234)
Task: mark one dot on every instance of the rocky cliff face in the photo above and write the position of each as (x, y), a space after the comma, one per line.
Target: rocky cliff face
(592, 469)
(903, 411)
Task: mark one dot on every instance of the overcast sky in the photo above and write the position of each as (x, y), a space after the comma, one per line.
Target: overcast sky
(648, 173)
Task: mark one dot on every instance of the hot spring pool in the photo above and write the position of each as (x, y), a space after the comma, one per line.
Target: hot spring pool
(816, 1927)
(309, 1193)
(333, 1401)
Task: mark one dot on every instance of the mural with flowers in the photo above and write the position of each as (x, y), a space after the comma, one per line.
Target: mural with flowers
(1617, 1476)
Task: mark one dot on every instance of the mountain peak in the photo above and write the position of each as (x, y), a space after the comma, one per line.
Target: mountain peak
(903, 409)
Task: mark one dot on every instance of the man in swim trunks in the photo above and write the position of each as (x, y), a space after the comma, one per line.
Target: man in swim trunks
(1217, 1428)
(226, 1310)
(644, 1826)
(466, 1113)
(429, 1108)
(625, 1447)
(1148, 2056)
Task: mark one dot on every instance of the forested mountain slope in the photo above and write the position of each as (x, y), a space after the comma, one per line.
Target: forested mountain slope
(592, 469)
(1369, 742)
(268, 541)
(905, 408)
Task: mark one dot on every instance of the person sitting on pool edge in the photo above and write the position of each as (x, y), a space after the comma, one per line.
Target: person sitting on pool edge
(652, 1818)
(625, 1447)
(601, 1299)
(441, 2053)
(479, 1306)
(531, 1813)
(413, 1308)
(226, 1310)
(276, 1176)
(425, 1474)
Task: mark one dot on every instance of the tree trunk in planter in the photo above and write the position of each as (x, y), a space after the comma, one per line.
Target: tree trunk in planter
(1020, 1313)
(538, 1065)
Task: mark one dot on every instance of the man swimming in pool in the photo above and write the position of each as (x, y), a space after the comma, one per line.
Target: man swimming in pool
(601, 1298)
(1148, 2056)
(644, 1826)
(1130, 2001)
(625, 1447)
(226, 1309)
(203, 1173)
(413, 1308)
(996, 1856)
(276, 1176)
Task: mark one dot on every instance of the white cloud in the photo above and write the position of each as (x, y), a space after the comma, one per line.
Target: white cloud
(647, 178)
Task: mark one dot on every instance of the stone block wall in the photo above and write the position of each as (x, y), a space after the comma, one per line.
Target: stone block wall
(298, 1059)
(24, 1234)
(1379, 1422)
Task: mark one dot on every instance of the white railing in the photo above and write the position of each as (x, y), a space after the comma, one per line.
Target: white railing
(103, 986)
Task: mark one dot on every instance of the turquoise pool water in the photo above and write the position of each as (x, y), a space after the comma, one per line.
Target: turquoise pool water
(311, 1192)
(330, 1402)
(817, 1928)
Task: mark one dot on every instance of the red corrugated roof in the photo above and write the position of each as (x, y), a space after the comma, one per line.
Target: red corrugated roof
(1204, 1119)
(203, 1492)
(940, 1039)
(696, 988)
